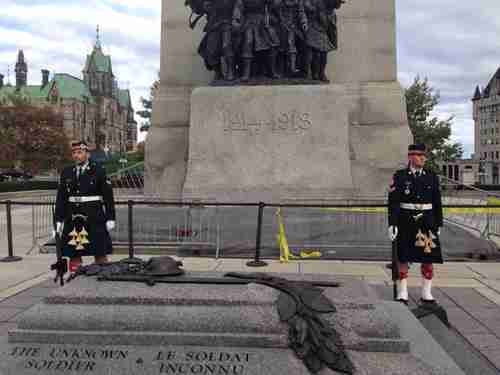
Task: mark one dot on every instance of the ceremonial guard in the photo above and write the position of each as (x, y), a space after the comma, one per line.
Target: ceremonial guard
(85, 209)
(415, 219)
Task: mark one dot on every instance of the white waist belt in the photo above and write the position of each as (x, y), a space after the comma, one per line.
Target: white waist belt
(416, 206)
(93, 198)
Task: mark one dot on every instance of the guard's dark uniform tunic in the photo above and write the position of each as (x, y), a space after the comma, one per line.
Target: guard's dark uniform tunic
(415, 208)
(84, 204)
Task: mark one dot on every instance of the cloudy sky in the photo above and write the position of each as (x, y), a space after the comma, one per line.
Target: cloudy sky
(456, 44)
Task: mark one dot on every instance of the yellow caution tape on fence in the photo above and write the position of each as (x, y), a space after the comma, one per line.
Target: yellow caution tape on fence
(285, 254)
(457, 210)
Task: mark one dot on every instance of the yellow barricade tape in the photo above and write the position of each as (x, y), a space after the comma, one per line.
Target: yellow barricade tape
(458, 210)
(285, 254)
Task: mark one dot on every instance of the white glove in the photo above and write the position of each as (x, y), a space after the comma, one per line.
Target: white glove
(110, 225)
(393, 232)
(59, 228)
(439, 232)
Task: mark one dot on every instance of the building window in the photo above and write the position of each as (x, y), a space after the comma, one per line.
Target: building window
(491, 155)
(496, 154)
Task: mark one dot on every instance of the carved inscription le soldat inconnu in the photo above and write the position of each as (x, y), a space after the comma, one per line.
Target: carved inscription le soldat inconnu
(291, 122)
(204, 362)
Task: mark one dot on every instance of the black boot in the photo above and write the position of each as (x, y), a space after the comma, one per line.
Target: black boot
(322, 68)
(230, 68)
(315, 68)
(293, 63)
(218, 76)
(308, 59)
(272, 65)
(247, 68)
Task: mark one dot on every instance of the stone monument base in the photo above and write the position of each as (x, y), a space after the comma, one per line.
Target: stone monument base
(294, 143)
(268, 143)
(103, 328)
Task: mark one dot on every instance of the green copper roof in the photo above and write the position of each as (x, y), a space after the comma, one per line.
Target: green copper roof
(70, 87)
(30, 92)
(124, 98)
(37, 92)
(98, 61)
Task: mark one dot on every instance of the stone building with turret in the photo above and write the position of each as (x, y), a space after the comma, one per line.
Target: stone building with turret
(486, 115)
(95, 109)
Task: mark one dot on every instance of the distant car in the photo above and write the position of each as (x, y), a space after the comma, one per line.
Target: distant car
(15, 175)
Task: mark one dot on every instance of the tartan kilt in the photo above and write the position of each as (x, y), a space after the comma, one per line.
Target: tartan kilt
(417, 240)
(85, 233)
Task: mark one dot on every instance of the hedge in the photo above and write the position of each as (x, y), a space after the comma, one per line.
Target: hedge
(13, 186)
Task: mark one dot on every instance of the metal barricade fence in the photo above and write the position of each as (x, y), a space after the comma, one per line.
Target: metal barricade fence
(349, 231)
(162, 227)
(3, 224)
(480, 217)
(42, 223)
(331, 228)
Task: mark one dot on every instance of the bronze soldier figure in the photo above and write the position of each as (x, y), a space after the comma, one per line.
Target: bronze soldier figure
(415, 219)
(217, 43)
(252, 17)
(321, 36)
(85, 209)
(293, 24)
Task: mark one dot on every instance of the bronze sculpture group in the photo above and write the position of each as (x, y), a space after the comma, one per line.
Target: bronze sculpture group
(246, 39)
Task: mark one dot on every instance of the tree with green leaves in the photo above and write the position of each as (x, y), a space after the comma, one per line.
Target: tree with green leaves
(32, 136)
(147, 105)
(421, 99)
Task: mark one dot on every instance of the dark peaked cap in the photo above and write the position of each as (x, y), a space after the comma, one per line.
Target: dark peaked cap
(417, 148)
(80, 144)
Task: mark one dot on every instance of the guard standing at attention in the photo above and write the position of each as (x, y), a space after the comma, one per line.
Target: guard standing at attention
(415, 219)
(85, 209)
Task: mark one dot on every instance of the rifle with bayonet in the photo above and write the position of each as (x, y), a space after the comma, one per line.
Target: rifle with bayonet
(61, 266)
(230, 279)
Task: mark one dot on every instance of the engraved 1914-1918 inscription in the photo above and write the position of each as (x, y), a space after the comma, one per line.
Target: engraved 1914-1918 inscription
(291, 122)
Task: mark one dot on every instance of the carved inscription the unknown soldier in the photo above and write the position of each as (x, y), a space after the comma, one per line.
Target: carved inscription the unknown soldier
(77, 360)
(65, 359)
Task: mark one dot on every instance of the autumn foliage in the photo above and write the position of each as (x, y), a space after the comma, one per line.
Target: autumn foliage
(32, 137)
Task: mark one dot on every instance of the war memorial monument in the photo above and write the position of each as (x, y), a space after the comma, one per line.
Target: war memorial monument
(245, 112)
(266, 132)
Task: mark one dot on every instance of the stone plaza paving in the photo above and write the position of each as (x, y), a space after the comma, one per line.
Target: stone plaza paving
(470, 292)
